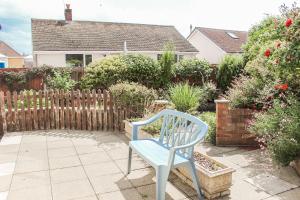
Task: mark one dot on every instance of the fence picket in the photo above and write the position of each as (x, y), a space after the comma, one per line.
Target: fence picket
(28, 110)
(83, 111)
(94, 114)
(52, 111)
(9, 109)
(46, 116)
(67, 114)
(73, 110)
(23, 115)
(35, 117)
(40, 111)
(61, 109)
(16, 112)
(78, 111)
(56, 109)
(3, 124)
(88, 111)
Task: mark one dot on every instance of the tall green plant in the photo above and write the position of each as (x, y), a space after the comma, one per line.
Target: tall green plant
(61, 80)
(185, 97)
(229, 68)
(166, 62)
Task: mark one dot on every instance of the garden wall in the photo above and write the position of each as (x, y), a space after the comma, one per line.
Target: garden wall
(232, 124)
(42, 110)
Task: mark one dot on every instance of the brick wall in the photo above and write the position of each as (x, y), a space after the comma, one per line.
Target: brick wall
(231, 125)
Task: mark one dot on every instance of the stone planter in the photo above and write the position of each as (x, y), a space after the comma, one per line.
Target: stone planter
(232, 125)
(214, 184)
(296, 165)
(128, 131)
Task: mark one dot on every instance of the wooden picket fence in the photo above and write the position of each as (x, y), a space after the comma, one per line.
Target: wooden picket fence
(43, 110)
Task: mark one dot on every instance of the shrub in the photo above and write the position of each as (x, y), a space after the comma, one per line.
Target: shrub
(61, 80)
(278, 129)
(166, 62)
(210, 119)
(208, 93)
(229, 68)
(185, 97)
(104, 73)
(133, 96)
(141, 69)
(195, 70)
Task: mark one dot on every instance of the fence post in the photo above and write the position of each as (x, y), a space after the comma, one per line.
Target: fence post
(3, 125)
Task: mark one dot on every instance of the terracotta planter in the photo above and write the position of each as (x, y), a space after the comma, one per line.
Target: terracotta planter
(214, 184)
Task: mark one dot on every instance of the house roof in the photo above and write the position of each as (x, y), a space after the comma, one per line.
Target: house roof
(6, 50)
(57, 35)
(223, 39)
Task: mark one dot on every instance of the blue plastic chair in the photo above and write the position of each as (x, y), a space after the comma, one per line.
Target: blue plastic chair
(174, 148)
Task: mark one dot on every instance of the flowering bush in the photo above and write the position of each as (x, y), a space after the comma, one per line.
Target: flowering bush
(278, 129)
(272, 83)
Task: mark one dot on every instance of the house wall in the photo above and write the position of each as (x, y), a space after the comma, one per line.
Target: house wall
(207, 49)
(59, 59)
(15, 62)
(55, 60)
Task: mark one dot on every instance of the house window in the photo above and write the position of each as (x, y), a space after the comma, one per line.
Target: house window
(181, 57)
(234, 36)
(159, 56)
(74, 60)
(88, 59)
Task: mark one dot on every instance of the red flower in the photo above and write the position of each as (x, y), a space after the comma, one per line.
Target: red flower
(267, 52)
(288, 22)
(282, 87)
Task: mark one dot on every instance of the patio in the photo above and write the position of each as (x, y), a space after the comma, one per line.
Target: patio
(82, 165)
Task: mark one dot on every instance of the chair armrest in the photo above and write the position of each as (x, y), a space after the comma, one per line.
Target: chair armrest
(136, 125)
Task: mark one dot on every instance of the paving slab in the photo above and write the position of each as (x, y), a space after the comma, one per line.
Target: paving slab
(110, 183)
(29, 180)
(7, 168)
(96, 157)
(24, 166)
(67, 174)
(270, 184)
(34, 193)
(100, 169)
(63, 162)
(5, 182)
(10, 140)
(72, 190)
(129, 194)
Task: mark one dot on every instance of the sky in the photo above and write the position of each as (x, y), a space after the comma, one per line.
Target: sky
(15, 15)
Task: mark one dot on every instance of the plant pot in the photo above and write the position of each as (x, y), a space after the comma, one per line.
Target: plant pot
(128, 131)
(214, 184)
(296, 165)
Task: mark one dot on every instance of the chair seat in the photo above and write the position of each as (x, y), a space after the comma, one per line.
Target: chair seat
(153, 151)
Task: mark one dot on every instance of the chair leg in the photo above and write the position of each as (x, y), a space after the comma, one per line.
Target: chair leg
(129, 161)
(195, 180)
(162, 175)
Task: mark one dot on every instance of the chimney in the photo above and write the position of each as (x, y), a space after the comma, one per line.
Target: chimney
(68, 13)
(191, 28)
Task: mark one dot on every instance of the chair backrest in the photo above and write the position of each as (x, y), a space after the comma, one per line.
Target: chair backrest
(180, 128)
